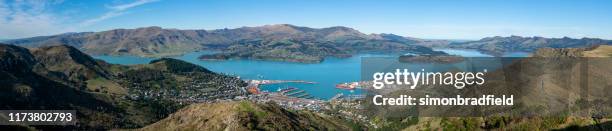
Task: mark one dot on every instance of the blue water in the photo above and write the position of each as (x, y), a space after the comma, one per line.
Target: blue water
(125, 60)
(516, 54)
(327, 74)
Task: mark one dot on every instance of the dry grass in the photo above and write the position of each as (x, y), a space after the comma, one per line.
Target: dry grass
(105, 85)
(601, 51)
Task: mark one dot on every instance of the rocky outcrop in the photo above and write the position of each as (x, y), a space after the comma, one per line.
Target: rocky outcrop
(559, 52)
(595, 51)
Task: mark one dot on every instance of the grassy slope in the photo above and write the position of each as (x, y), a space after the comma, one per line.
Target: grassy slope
(243, 116)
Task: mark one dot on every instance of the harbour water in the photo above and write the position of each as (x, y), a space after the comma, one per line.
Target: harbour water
(326, 74)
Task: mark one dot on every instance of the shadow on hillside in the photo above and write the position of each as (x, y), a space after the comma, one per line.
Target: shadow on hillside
(606, 126)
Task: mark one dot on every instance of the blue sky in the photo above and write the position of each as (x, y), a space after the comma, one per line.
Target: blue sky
(435, 19)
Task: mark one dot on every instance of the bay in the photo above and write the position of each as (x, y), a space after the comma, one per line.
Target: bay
(326, 74)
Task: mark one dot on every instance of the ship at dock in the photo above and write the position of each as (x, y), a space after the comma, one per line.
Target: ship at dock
(348, 86)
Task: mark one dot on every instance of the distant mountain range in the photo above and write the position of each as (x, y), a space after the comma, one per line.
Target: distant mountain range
(282, 42)
(498, 45)
(272, 42)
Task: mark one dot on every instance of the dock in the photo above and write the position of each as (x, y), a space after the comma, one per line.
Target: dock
(294, 93)
(286, 92)
(280, 81)
(309, 97)
(303, 95)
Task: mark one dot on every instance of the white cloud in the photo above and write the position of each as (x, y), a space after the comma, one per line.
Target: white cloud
(131, 5)
(26, 18)
(115, 10)
(4, 11)
(105, 16)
